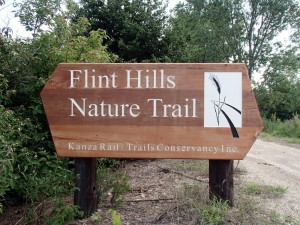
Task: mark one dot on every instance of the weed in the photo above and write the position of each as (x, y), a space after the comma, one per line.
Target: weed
(288, 130)
(111, 185)
(193, 203)
(215, 212)
(201, 166)
(116, 219)
(95, 217)
(267, 191)
(196, 205)
(62, 213)
(247, 210)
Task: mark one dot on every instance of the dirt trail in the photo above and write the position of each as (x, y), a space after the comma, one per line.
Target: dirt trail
(156, 183)
(267, 163)
(275, 164)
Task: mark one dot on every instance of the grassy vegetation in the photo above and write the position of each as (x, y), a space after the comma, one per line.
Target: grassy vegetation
(265, 191)
(194, 204)
(201, 166)
(112, 182)
(288, 130)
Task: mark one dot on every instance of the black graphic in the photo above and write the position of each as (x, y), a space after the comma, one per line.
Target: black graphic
(220, 104)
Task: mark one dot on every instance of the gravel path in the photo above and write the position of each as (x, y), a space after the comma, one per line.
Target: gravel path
(155, 184)
(276, 164)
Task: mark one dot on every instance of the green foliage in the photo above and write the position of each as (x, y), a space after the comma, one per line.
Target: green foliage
(111, 184)
(116, 219)
(26, 166)
(61, 214)
(203, 32)
(5, 94)
(279, 92)
(199, 31)
(207, 211)
(267, 191)
(134, 27)
(263, 21)
(30, 174)
(33, 14)
(16, 63)
(72, 43)
(228, 31)
(288, 129)
(215, 212)
(193, 203)
(11, 138)
(248, 210)
(109, 163)
(30, 171)
(95, 217)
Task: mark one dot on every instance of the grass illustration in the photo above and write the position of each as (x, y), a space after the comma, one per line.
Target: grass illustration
(218, 106)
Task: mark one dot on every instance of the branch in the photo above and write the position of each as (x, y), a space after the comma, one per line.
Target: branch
(184, 175)
(151, 200)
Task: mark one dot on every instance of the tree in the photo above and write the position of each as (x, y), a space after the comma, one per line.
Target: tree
(230, 31)
(279, 92)
(202, 31)
(263, 21)
(34, 14)
(134, 27)
(5, 31)
(29, 62)
(29, 168)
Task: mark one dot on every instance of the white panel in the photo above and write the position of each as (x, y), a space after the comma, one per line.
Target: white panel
(221, 88)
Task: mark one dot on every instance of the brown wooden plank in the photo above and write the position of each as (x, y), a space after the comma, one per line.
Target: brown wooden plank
(188, 76)
(85, 195)
(178, 121)
(124, 136)
(221, 180)
(191, 107)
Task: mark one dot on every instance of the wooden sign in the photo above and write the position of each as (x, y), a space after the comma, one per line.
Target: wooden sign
(199, 111)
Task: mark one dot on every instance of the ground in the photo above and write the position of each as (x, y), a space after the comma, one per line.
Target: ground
(276, 164)
(156, 185)
(157, 188)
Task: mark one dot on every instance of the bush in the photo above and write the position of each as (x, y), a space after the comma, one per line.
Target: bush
(111, 184)
(30, 171)
(278, 128)
(29, 174)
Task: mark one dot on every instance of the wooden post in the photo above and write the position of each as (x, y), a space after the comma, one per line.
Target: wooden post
(85, 196)
(221, 180)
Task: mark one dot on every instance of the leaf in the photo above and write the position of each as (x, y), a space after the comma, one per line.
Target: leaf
(116, 218)
(232, 127)
(217, 85)
(239, 111)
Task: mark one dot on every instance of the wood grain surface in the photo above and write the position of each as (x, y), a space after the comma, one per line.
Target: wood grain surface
(166, 132)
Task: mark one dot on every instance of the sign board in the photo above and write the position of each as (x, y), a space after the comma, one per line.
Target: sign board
(199, 111)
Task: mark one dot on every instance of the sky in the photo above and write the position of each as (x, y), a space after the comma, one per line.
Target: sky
(7, 17)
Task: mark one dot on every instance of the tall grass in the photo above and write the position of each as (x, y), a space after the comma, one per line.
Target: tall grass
(192, 206)
(285, 129)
